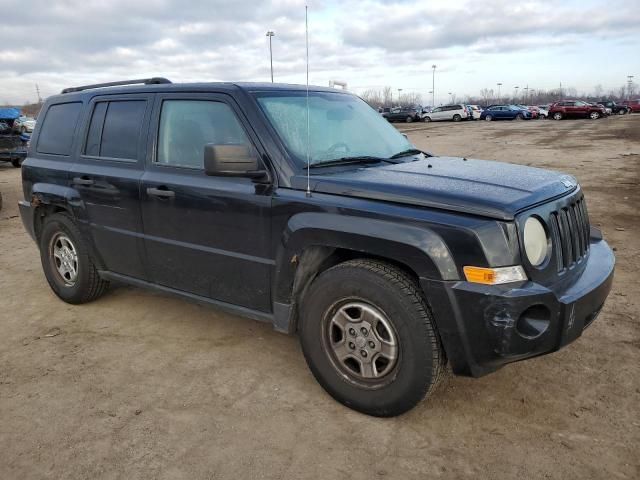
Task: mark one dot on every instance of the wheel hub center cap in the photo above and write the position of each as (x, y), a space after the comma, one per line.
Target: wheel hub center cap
(360, 342)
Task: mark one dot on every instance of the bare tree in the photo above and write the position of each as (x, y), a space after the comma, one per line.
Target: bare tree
(387, 96)
(373, 97)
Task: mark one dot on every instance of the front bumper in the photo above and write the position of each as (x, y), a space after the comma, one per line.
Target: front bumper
(484, 327)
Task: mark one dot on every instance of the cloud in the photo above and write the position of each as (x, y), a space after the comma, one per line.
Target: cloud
(59, 44)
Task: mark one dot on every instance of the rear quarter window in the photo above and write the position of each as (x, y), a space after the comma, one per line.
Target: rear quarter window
(58, 127)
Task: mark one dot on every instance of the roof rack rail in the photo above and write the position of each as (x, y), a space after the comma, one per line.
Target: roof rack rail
(145, 81)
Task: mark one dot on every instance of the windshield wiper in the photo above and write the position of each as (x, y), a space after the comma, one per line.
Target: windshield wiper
(407, 152)
(350, 160)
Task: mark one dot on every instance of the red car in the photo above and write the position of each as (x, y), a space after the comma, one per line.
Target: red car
(634, 105)
(576, 109)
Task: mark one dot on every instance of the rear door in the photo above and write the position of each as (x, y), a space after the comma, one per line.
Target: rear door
(205, 235)
(107, 175)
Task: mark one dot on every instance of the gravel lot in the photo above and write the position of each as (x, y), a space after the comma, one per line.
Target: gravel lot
(141, 385)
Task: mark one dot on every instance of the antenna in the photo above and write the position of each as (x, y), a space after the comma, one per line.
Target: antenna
(306, 35)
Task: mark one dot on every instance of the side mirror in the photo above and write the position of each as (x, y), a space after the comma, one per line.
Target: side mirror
(231, 161)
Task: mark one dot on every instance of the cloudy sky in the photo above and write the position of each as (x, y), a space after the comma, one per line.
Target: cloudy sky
(367, 43)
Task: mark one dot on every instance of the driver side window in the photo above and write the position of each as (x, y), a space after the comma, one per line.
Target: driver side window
(186, 126)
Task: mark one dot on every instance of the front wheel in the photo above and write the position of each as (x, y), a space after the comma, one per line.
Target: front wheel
(594, 115)
(369, 338)
(557, 116)
(457, 118)
(488, 118)
(67, 263)
(408, 119)
(519, 117)
(427, 119)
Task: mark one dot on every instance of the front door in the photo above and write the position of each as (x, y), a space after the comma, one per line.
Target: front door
(205, 235)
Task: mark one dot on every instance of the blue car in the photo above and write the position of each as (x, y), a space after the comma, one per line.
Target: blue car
(505, 112)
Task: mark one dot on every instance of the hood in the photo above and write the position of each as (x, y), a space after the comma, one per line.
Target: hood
(480, 187)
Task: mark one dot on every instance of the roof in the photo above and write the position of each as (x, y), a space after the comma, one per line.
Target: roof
(140, 86)
(9, 113)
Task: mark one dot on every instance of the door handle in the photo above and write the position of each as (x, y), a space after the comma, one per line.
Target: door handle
(161, 192)
(82, 181)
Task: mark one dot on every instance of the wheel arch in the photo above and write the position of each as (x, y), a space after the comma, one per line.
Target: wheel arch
(314, 242)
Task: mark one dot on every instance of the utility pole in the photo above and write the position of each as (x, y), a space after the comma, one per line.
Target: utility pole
(399, 91)
(270, 34)
(38, 94)
(433, 87)
(526, 94)
(499, 85)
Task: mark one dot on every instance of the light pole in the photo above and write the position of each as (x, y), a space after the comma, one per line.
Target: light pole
(270, 34)
(629, 85)
(516, 87)
(399, 90)
(433, 87)
(499, 85)
(450, 96)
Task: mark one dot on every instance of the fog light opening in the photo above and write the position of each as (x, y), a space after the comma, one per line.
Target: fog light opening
(534, 321)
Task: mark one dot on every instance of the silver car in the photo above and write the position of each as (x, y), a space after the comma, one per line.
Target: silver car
(455, 112)
(24, 124)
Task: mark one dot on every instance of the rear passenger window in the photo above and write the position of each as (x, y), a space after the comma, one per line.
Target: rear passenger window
(186, 126)
(114, 131)
(56, 132)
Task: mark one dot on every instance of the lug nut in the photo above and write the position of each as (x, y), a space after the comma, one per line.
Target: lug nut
(363, 353)
(352, 346)
(371, 344)
(364, 331)
(352, 332)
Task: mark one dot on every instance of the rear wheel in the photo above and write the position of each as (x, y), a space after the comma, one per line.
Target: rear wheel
(594, 115)
(66, 261)
(408, 119)
(369, 339)
(457, 118)
(519, 117)
(557, 116)
(488, 118)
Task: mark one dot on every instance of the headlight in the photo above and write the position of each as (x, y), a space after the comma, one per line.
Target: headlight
(536, 243)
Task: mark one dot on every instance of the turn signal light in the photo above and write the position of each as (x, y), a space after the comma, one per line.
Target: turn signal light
(495, 276)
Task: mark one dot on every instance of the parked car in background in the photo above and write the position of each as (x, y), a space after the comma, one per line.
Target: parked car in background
(533, 110)
(476, 110)
(455, 113)
(404, 114)
(615, 108)
(543, 111)
(24, 124)
(505, 112)
(634, 105)
(576, 109)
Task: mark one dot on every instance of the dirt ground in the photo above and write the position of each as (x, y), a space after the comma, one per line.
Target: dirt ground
(142, 385)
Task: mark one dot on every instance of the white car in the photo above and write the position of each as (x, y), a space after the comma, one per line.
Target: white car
(24, 124)
(455, 112)
(476, 110)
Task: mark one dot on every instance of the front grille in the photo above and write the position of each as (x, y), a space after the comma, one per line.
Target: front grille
(570, 231)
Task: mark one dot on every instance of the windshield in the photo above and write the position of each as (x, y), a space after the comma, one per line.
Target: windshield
(340, 126)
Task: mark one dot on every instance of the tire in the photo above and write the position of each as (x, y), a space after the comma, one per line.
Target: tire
(16, 162)
(58, 232)
(594, 115)
(427, 119)
(488, 118)
(408, 119)
(542, 117)
(457, 118)
(519, 117)
(393, 303)
(557, 116)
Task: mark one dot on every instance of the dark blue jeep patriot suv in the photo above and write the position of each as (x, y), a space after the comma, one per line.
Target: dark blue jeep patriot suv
(305, 208)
